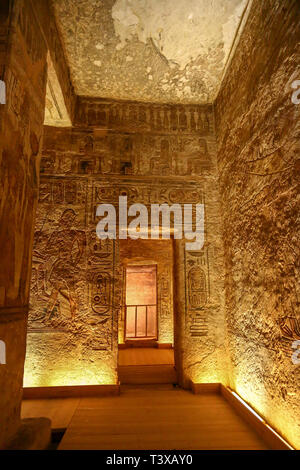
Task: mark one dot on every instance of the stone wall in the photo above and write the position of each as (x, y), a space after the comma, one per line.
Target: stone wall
(27, 34)
(151, 154)
(21, 119)
(258, 158)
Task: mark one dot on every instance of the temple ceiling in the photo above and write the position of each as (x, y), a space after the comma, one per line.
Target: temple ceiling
(161, 51)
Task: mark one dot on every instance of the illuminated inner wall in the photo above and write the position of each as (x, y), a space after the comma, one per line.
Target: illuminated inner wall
(158, 253)
(152, 154)
(141, 302)
(258, 157)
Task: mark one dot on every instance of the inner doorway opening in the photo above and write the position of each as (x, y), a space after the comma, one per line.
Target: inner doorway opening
(141, 303)
(146, 318)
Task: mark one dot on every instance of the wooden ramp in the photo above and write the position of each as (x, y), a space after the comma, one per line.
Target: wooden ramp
(147, 366)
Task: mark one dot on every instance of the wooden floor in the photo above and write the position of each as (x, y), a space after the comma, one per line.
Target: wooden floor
(59, 410)
(147, 417)
(146, 366)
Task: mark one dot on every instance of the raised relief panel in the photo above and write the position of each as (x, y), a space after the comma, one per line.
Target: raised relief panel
(164, 282)
(58, 270)
(15, 93)
(100, 251)
(74, 273)
(290, 331)
(144, 117)
(76, 287)
(197, 292)
(197, 288)
(101, 294)
(116, 153)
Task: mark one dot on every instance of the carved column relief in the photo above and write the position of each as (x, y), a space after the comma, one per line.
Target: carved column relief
(197, 292)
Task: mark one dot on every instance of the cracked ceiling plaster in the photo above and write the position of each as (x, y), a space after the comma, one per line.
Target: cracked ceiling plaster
(165, 51)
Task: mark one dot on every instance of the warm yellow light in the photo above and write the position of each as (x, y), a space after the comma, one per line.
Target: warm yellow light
(254, 413)
(69, 372)
(247, 406)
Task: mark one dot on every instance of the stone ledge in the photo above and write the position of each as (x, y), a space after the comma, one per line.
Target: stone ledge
(71, 391)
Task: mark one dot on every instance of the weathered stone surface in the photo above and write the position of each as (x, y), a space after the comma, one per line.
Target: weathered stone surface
(258, 157)
(21, 122)
(13, 332)
(152, 153)
(23, 67)
(149, 50)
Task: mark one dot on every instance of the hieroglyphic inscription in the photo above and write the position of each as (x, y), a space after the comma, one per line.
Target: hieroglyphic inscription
(197, 292)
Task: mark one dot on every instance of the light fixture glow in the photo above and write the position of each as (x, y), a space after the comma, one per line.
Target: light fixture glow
(254, 413)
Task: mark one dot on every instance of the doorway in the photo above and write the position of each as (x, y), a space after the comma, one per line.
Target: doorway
(141, 303)
(146, 326)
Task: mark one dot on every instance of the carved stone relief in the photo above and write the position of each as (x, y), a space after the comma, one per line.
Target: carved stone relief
(197, 292)
(144, 117)
(142, 155)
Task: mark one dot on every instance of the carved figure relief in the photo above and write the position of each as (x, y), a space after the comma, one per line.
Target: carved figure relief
(77, 285)
(57, 270)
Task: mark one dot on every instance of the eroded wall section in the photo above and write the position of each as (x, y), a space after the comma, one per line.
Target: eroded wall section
(258, 157)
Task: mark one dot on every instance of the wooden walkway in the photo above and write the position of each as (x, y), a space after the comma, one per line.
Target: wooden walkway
(145, 356)
(157, 417)
(146, 366)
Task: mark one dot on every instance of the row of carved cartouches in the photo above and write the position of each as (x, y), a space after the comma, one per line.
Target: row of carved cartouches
(143, 116)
